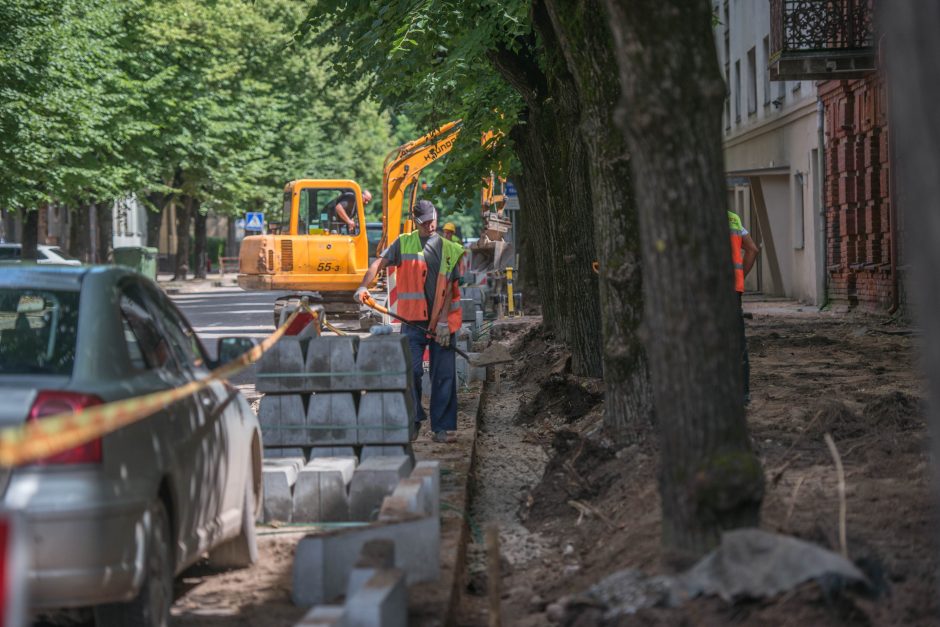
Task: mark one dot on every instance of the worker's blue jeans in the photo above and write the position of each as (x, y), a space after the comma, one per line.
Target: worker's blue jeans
(443, 379)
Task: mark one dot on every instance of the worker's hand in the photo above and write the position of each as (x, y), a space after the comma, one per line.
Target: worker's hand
(442, 335)
(361, 295)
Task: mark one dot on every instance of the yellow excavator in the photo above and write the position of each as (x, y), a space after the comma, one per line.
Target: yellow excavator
(310, 249)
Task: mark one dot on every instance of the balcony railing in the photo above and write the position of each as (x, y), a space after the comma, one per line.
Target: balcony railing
(821, 39)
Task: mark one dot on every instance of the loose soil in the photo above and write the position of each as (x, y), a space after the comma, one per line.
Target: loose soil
(572, 508)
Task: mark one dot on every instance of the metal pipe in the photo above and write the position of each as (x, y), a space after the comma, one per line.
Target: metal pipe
(822, 261)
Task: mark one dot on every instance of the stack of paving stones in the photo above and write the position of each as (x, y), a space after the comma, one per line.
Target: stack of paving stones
(336, 421)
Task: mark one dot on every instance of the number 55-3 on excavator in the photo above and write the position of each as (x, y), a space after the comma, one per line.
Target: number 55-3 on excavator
(315, 250)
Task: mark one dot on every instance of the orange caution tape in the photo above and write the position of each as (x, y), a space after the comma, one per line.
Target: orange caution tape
(37, 439)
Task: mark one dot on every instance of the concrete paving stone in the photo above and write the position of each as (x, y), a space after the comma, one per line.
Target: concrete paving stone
(373, 480)
(320, 494)
(430, 473)
(278, 413)
(332, 409)
(336, 355)
(467, 373)
(278, 481)
(322, 562)
(280, 452)
(332, 451)
(410, 497)
(297, 461)
(375, 555)
(325, 616)
(284, 358)
(382, 601)
(384, 363)
(383, 450)
(389, 413)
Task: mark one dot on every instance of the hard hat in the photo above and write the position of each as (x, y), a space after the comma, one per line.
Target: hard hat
(450, 227)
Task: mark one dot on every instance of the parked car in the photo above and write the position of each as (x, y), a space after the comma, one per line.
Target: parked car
(113, 521)
(47, 255)
(373, 234)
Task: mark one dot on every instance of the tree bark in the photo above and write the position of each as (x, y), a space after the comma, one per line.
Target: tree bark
(670, 115)
(557, 193)
(80, 233)
(201, 255)
(184, 213)
(30, 235)
(155, 217)
(105, 229)
(582, 33)
(9, 225)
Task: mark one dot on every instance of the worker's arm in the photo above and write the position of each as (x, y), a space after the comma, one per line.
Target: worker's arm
(750, 253)
(342, 215)
(377, 266)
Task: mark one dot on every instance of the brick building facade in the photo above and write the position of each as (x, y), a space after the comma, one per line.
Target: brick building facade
(861, 238)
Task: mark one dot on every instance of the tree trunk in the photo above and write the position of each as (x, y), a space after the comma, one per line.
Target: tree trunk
(911, 49)
(184, 213)
(30, 235)
(155, 217)
(670, 115)
(582, 33)
(231, 244)
(105, 229)
(9, 225)
(201, 256)
(80, 233)
(557, 186)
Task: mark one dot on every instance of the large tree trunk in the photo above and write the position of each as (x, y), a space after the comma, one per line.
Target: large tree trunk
(30, 235)
(155, 217)
(105, 229)
(9, 225)
(80, 233)
(557, 187)
(670, 114)
(582, 33)
(201, 256)
(184, 213)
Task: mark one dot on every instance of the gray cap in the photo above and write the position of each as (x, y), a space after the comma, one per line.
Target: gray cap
(424, 211)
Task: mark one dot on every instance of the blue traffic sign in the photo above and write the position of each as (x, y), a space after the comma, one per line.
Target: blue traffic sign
(254, 221)
(509, 189)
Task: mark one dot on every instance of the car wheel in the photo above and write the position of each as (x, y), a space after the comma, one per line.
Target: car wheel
(242, 550)
(151, 608)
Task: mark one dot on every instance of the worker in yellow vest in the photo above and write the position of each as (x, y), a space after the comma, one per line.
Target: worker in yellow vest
(743, 255)
(427, 295)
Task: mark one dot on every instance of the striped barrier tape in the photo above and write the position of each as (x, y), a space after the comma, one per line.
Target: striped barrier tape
(38, 439)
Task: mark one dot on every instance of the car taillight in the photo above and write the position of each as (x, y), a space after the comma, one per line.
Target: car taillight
(52, 402)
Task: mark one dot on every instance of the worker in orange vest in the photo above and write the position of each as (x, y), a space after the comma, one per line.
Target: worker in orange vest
(743, 255)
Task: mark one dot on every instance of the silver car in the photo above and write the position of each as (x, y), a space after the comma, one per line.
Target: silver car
(111, 522)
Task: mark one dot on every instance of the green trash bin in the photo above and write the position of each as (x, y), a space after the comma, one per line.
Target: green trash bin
(141, 258)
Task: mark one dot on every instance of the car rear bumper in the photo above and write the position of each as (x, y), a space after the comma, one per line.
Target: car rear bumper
(84, 550)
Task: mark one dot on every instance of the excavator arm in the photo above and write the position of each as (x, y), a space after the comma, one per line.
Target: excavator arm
(401, 169)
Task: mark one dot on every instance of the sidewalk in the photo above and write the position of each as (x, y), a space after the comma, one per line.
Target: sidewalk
(212, 283)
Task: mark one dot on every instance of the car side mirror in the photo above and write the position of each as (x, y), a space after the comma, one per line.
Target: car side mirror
(231, 348)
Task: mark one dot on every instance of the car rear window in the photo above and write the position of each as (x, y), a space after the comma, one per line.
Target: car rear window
(38, 331)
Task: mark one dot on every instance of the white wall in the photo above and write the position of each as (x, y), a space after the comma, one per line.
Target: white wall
(129, 222)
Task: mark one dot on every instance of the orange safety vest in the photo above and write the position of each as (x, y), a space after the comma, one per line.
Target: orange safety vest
(737, 255)
(406, 284)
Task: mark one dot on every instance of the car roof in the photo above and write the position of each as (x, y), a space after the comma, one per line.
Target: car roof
(56, 277)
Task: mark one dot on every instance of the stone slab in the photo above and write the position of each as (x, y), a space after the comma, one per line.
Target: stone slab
(284, 358)
(323, 562)
(382, 601)
(320, 494)
(331, 409)
(336, 356)
(280, 452)
(278, 481)
(282, 418)
(409, 498)
(384, 363)
(384, 450)
(373, 480)
(390, 415)
(325, 616)
(429, 471)
(332, 451)
(375, 555)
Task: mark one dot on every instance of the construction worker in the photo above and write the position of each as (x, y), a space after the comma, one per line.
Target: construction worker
(450, 231)
(743, 255)
(426, 293)
(344, 208)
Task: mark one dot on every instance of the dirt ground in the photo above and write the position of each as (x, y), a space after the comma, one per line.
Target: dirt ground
(572, 508)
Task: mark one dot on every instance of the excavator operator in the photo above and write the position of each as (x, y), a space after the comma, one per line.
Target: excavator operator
(341, 211)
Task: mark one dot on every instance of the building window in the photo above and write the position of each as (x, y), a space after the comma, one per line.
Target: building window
(766, 72)
(798, 221)
(737, 91)
(751, 81)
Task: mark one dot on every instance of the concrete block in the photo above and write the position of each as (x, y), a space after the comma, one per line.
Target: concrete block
(383, 450)
(328, 409)
(281, 368)
(320, 494)
(384, 363)
(278, 481)
(280, 452)
(282, 419)
(332, 451)
(467, 373)
(430, 473)
(325, 616)
(373, 480)
(409, 498)
(322, 562)
(389, 414)
(381, 602)
(334, 355)
(375, 555)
